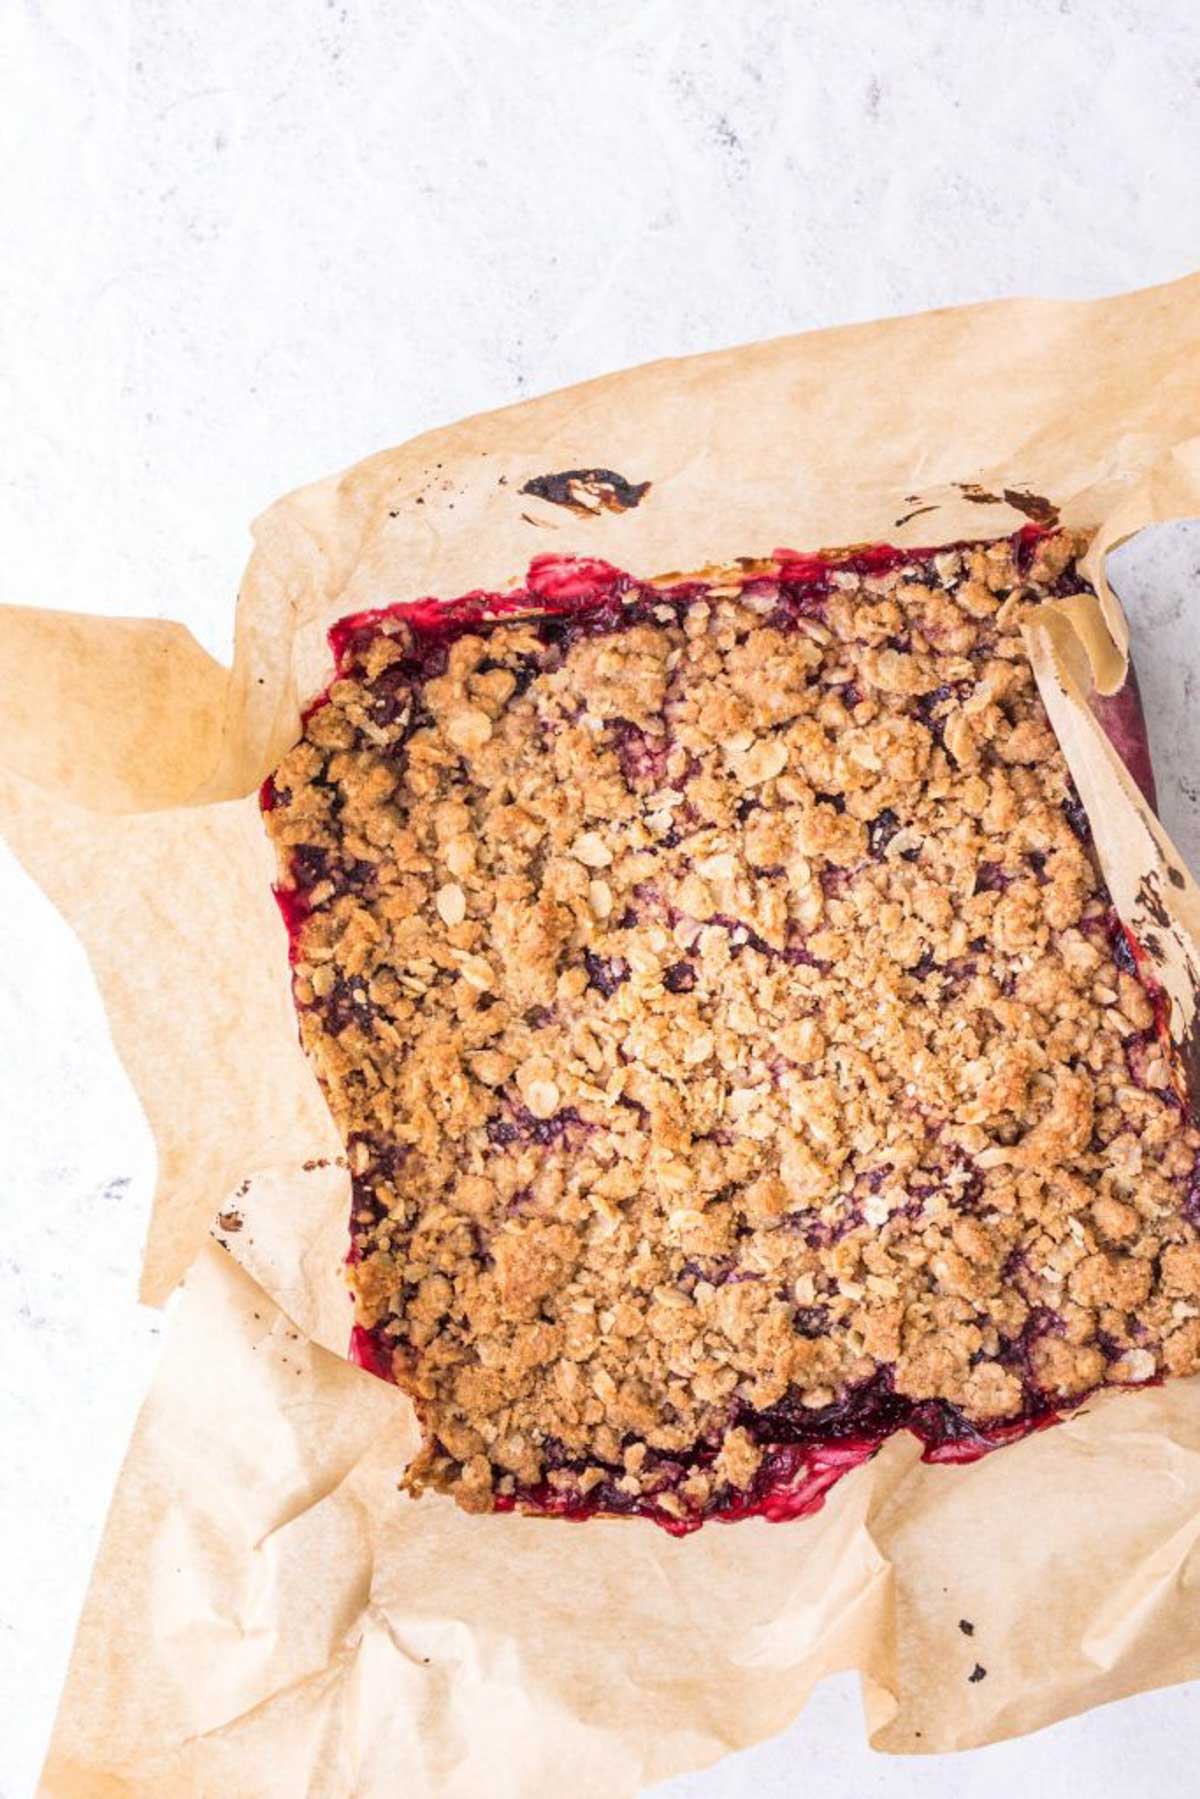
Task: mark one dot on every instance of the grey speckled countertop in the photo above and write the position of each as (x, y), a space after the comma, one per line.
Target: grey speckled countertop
(244, 246)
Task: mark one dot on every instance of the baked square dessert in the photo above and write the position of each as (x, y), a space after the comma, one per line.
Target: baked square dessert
(737, 1052)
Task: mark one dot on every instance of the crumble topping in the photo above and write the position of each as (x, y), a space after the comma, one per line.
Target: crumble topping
(733, 1040)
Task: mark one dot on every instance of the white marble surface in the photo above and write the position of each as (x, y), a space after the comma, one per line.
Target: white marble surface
(244, 244)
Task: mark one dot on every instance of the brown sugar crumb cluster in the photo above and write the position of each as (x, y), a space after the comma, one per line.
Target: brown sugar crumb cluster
(733, 1040)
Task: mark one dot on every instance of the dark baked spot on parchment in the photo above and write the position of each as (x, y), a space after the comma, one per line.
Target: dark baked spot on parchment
(1034, 506)
(1189, 1055)
(588, 491)
(1151, 899)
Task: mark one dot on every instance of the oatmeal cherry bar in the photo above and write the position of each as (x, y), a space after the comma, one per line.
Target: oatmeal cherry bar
(736, 1050)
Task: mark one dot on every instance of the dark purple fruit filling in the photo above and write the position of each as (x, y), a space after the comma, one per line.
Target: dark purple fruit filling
(605, 973)
(881, 830)
(1076, 817)
(805, 1453)
(680, 977)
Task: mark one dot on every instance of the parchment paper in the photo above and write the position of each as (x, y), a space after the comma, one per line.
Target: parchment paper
(267, 1615)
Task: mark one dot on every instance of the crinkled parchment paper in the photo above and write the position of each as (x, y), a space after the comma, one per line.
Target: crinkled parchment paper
(267, 1615)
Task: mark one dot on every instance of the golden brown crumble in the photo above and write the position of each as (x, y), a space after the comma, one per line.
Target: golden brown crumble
(724, 1015)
